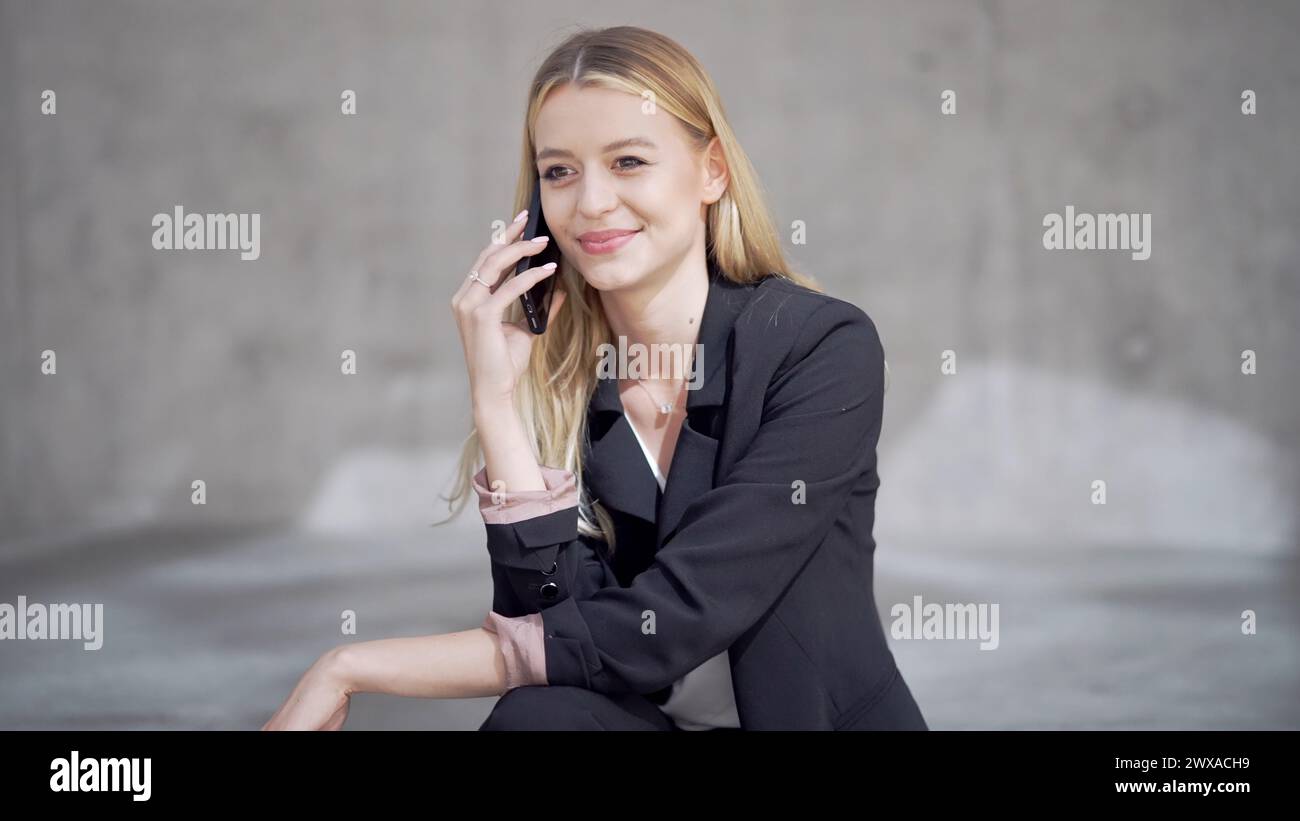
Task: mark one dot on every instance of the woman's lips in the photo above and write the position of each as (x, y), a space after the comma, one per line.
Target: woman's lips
(609, 246)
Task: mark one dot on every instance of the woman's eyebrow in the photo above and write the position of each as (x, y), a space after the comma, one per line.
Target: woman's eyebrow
(614, 146)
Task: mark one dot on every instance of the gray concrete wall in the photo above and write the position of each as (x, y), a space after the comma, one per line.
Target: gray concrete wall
(1072, 366)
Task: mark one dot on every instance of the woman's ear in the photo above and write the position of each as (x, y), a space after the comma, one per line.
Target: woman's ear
(717, 175)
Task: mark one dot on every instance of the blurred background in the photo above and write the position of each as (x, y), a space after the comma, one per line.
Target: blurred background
(1071, 366)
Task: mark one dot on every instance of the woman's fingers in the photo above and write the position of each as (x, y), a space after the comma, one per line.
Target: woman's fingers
(499, 266)
(515, 287)
(511, 234)
(480, 302)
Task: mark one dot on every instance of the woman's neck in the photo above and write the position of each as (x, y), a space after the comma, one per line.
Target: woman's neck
(661, 314)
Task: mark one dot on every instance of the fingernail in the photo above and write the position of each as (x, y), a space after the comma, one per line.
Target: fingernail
(540, 239)
(521, 215)
(548, 265)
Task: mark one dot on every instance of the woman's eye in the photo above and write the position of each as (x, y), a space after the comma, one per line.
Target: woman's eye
(551, 173)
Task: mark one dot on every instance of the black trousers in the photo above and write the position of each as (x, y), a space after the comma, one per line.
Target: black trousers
(561, 707)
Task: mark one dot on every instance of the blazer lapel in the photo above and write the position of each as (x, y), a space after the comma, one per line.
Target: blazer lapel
(617, 472)
(616, 468)
(691, 473)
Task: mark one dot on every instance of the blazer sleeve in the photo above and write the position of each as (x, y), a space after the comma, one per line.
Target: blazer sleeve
(537, 558)
(740, 545)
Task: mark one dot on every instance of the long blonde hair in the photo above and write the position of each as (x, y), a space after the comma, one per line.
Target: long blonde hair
(555, 389)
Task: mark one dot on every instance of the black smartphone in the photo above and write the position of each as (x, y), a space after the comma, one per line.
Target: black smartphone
(537, 299)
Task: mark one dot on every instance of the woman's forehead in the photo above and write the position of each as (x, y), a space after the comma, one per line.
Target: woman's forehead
(593, 120)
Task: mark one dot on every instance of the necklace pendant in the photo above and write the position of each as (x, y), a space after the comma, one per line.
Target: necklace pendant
(666, 407)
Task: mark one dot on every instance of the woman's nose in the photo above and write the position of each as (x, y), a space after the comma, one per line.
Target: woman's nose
(596, 197)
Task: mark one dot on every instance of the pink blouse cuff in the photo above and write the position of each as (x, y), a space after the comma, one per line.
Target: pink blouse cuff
(522, 647)
(505, 508)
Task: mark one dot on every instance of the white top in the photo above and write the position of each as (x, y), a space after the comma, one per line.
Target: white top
(703, 698)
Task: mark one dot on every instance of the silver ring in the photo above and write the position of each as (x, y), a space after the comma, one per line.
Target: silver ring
(474, 276)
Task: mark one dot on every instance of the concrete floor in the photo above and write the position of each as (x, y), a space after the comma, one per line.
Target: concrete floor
(210, 631)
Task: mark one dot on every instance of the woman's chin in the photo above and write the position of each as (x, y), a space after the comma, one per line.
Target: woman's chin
(611, 277)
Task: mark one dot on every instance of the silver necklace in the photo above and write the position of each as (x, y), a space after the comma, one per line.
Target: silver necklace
(664, 407)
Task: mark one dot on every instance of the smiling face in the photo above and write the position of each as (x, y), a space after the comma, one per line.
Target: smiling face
(608, 167)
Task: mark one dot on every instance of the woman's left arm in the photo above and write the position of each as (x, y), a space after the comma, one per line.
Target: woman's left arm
(465, 664)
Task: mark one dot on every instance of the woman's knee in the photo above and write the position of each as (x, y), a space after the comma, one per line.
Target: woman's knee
(539, 707)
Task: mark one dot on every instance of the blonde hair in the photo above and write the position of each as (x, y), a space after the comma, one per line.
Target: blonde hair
(555, 389)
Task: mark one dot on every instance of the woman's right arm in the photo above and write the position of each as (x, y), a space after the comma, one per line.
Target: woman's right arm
(506, 450)
(497, 353)
(503, 653)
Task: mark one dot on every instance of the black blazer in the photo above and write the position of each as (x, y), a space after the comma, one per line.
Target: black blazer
(760, 543)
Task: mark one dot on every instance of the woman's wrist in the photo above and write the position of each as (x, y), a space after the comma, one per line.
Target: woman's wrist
(492, 407)
(507, 451)
(338, 664)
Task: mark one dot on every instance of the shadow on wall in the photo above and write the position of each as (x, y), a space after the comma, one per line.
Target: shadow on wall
(1010, 453)
(379, 487)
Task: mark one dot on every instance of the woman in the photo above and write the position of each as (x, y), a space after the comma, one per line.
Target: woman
(692, 552)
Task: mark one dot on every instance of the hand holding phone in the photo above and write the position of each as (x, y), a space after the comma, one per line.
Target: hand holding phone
(497, 347)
